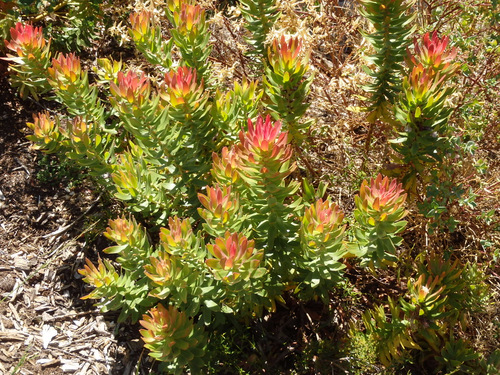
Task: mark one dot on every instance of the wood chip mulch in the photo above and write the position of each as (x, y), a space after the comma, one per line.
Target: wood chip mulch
(45, 234)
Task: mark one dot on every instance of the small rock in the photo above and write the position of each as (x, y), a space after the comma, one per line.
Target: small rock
(7, 283)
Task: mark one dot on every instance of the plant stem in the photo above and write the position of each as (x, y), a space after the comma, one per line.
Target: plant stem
(42, 15)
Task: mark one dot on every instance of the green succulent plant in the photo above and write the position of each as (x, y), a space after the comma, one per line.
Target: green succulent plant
(173, 338)
(287, 86)
(390, 38)
(29, 59)
(379, 213)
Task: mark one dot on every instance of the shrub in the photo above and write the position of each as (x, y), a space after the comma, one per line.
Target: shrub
(425, 321)
(220, 227)
(261, 242)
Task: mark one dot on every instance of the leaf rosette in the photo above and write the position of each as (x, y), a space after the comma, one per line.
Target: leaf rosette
(172, 337)
(234, 258)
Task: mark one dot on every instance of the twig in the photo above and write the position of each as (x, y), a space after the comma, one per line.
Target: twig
(67, 227)
(59, 6)
(367, 145)
(50, 257)
(79, 356)
(13, 335)
(22, 166)
(240, 56)
(70, 316)
(303, 158)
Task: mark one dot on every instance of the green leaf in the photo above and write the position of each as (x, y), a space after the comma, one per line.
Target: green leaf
(212, 305)
(227, 310)
(115, 249)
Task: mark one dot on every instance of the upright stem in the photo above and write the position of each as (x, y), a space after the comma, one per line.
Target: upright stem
(367, 145)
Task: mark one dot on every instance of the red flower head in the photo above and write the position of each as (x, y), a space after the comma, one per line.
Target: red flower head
(66, 70)
(381, 198)
(431, 54)
(131, 87)
(182, 86)
(25, 39)
(265, 138)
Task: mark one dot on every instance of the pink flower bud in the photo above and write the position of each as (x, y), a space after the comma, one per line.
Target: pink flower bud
(131, 87)
(285, 53)
(218, 202)
(25, 39)
(382, 196)
(44, 127)
(180, 234)
(161, 269)
(234, 257)
(225, 168)
(182, 86)
(188, 17)
(140, 24)
(322, 217)
(165, 325)
(121, 230)
(265, 138)
(66, 70)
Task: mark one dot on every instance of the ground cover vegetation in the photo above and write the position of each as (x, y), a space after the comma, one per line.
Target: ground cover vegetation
(334, 158)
